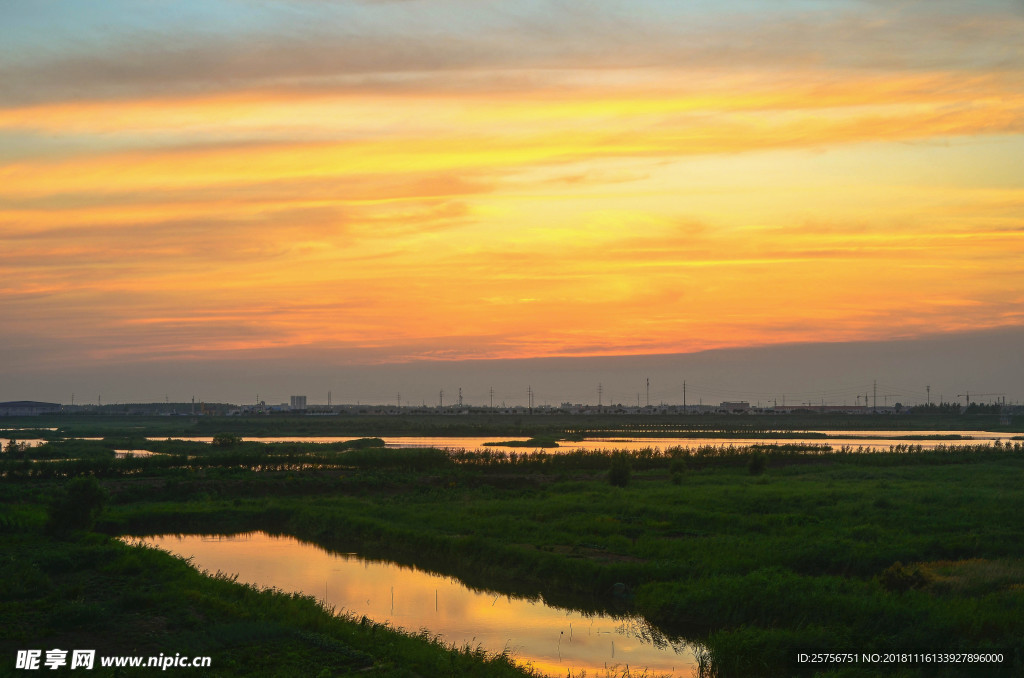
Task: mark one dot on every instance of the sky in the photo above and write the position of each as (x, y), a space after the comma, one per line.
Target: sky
(224, 195)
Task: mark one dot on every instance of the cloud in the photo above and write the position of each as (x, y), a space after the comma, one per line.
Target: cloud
(410, 46)
(581, 179)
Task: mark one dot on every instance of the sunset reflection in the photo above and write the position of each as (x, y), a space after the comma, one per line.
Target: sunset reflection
(550, 639)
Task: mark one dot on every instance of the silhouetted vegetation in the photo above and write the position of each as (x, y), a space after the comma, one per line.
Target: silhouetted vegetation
(224, 440)
(554, 425)
(620, 471)
(76, 506)
(758, 462)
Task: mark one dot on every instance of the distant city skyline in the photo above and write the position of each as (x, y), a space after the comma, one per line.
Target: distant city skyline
(988, 364)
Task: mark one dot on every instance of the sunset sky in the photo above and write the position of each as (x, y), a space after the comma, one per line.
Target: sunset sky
(388, 183)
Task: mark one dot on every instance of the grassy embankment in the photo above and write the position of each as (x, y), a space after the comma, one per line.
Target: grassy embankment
(866, 552)
(487, 424)
(84, 590)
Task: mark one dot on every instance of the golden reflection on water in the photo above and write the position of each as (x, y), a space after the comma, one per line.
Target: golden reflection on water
(878, 440)
(550, 639)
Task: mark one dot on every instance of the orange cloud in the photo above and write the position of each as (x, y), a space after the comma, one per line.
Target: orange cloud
(643, 218)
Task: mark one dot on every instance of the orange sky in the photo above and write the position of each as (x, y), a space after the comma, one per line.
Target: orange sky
(386, 191)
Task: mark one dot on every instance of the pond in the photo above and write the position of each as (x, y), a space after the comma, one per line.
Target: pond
(553, 640)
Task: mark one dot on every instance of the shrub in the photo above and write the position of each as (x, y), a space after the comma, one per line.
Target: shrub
(225, 440)
(620, 471)
(757, 464)
(899, 578)
(77, 506)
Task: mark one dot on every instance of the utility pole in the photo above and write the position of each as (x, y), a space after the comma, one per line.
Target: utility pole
(399, 396)
(529, 396)
(328, 400)
(440, 398)
(874, 401)
(928, 389)
(460, 397)
(599, 390)
(684, 396)
(648, 391)
(492, 397)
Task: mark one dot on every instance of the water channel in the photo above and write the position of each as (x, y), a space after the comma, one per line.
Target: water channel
(552, 640)
(874, 440)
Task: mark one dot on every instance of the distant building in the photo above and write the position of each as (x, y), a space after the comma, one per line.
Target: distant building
(739, 406)
(27, 408)
(298, 402)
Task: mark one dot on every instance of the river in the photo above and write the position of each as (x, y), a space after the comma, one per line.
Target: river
(550, 639)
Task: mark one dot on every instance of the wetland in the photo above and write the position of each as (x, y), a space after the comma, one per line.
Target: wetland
(744, 554)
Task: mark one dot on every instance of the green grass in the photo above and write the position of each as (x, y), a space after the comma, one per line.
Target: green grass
(92, 592)
(482, 422)
(802, 556)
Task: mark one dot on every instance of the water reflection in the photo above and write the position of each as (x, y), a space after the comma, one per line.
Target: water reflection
(552, 640)
(27, 442)
(128, 454)
(866, 440)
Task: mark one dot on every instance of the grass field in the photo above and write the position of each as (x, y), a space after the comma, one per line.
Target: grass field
(759, 553)
(481, 422)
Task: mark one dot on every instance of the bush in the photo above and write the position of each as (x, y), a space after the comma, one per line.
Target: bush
(676, 469)
(620, 471)
(77, 506)
(899, 578)
(225, 440)
(757, 464)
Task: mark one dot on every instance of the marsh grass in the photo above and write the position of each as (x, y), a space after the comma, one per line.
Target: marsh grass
(974, 576)
(754, 566)
(134, 599)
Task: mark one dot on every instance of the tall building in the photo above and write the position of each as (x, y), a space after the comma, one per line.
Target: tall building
(298, 402)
